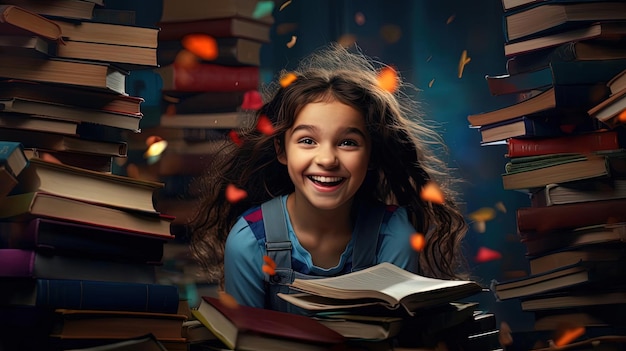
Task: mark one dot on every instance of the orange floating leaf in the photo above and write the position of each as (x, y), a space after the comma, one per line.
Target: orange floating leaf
(269, 270)
(268, 261)
(462, 62)
(359, 18)
(622, 117)
(285, 4)
(450, 19)
(569, 335)
(235, 137)
(287, 79)
(264, 125)
(186, 59)
(485, 255)
(500, 206)
(235, 194)
(202, 45)
(432, 193)
(388, 79)
(418, 241)
(252, 100)
(227, 299)
(483, 214)
(480, 226)
(430, 84)
(292, 42)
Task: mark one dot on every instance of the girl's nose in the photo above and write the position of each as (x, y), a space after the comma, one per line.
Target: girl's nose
(326, 158)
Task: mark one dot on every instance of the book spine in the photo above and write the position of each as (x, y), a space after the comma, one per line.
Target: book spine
(210, 77)
(569, 216)
(583, 143)
(15, 263)
(98, 295)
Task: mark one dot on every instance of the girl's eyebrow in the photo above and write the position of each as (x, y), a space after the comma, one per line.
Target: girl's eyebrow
(312, 128)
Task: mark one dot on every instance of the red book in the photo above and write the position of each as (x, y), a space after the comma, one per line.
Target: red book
(204, 77)
(580, 143)
(247, 328)
(569, 216)
(232, 27)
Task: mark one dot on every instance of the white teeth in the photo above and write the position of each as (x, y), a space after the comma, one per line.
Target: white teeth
(326, 179)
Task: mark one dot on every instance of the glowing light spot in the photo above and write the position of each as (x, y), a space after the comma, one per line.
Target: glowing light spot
(430, 84)
(485, 255)
(346, 40)
(359, 18)
(268, 270)
(391, 33)
(462, 62)
(569, 335)
(285, 4)
(432, 193)
(292, 42)
(252, 100)
(155, 149)
(263, 8)
(451, 18)
(388, 79)
(264, 125)
(227, 300)
(268, 261)
(500, 206)
(483, 214)
(287, 79)
(480, 226)
(622, 117)
(186, 59)
(152, 139)
(418, 242)
(49, 158)
(235, 194)
(235, 137)
(202, 45)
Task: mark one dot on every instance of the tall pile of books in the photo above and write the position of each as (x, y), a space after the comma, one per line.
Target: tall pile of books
(209, 53)
(79, 245)
(571, 163)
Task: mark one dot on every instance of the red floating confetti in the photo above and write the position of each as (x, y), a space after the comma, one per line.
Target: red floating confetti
(418, 242)
(569, 336)
(234, 194)
(235, 137)
(269, 270)
(202, 45)
(264, 125)
(268, 261)
(252, 100)
(432, 193)
(485, 255)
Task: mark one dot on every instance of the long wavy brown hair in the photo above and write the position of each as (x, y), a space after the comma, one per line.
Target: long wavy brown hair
(402, 157)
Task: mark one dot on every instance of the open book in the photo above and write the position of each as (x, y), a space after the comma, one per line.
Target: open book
(384, 285)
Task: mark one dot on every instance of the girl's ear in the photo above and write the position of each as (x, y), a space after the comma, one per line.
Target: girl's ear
(280, 152)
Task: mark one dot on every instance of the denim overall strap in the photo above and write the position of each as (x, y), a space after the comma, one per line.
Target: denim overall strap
(369, 220)
(278, 248)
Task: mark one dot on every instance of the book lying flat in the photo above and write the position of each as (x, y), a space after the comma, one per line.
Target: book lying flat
(541, 243)
(581, 191)
(573, 299)
(381, 285)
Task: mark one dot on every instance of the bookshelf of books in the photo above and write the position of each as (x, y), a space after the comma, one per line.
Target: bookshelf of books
(571, 163)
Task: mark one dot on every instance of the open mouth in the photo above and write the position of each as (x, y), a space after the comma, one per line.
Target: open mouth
(326, 181)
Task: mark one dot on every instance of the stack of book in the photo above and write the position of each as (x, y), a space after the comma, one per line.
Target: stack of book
(570, 164)
(79, 245)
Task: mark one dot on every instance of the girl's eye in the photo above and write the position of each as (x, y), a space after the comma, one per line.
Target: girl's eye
(307, 141)
(349, 143)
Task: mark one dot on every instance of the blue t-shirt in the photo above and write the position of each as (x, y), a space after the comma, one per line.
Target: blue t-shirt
(243, 255)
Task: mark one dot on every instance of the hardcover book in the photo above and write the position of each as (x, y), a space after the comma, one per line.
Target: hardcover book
(109, 33)
(539, 243)
(203, 77)
(599, 140)
(230, 52)
(580, 191)
(244, 327)
(231, 27)
(19, 21)
(12, 157)
(75, 9)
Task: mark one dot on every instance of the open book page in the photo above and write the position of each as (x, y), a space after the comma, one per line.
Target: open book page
(384, 281)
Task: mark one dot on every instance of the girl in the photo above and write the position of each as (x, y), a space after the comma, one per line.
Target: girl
(336, 187)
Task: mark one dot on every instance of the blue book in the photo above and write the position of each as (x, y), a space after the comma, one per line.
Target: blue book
(90, 295)
(12, 157)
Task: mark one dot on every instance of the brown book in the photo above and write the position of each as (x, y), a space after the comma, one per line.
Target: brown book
(45, 108)
(128, 57)
(97, 163)
(75, 9)
(60, 142)
(570, 216)
(574, 298)
(218, 28)
(568, 256)
(71, 96)
(16, 20)
(542, 243)
(224, 120)
(109, 33)
(85, 185)
(580, 191)
(190, 10)
(30, 205)
(231, 51)
(617, 83)
(610, 110)
(92, 324)
(247, 327)
(22, 45)
(81, 73)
